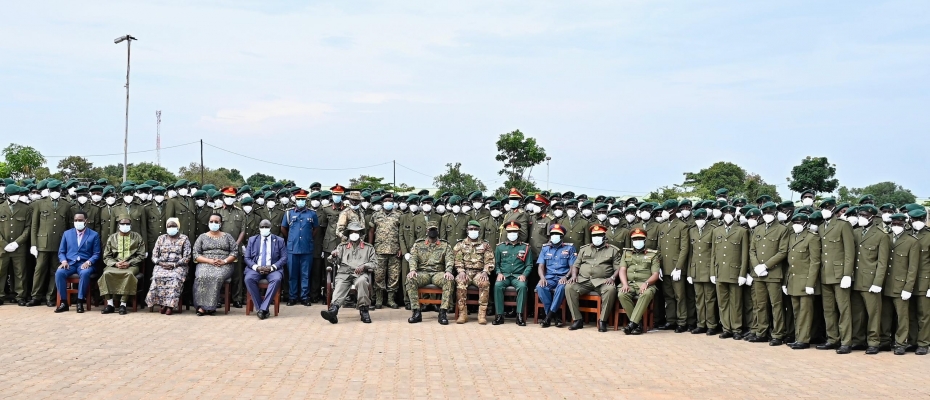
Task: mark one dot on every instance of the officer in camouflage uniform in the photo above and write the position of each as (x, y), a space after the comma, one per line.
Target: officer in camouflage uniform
(385, 234)
(352, 213)
(474, 261)
(639, 271)
(431, 262)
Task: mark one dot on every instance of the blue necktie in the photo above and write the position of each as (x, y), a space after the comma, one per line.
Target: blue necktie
(262, 254)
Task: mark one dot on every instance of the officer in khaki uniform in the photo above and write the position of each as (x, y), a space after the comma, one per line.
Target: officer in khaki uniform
(919, 333)
(576, 227)
(674, 248)
(639, 271)
(899, 284)
(15, 226)
(730, 263)
(474, 262)
(516, 214)
(51, 217)
(802, 281)
(871, 265)
(594, 270)
(768, 248)
(700, 270)
(839, 262)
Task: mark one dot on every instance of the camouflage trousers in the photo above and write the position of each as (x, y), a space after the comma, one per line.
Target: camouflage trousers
(471, 276)
(387, 273)
(425, 278)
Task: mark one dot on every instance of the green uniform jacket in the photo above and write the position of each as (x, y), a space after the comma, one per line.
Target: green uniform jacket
(108, 222)
(700, 268)
(49, 223)
(91, 211)
(639, 267)
(902, 266)
(871, 257)
(513, 259)
(618, 236)
(431, 257)
(233, 221)
(576, 231)
(329, 217)
(596, 264)
(769, 246)
(15, 226)
(674, 246)
(652, 234)
(730, 255)
(452, 227)
(276, 215)
(523, 219)
(539, 235)
(490, 228)
(184, 209)
(419, 224)
(839, 252)
(156, 216)
(203, 220)
(250, 225)
(803, 263)
(923, 267)
(407, 237)
(137, 218)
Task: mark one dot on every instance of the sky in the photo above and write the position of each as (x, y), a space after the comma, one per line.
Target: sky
(625, 96)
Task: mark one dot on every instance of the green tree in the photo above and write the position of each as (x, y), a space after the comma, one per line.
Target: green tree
(720, 175)
(884, 192)
(145, 171)
(520, 154)
(75, 167)
(455, 181)
(815, 173)
(665, 193)
(755, 186)
(219, 177)
(113, 173)
(4, 170)
(22, 161)
(375, 183)
(257, 180)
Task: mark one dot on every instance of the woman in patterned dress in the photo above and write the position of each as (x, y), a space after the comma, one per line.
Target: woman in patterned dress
(215, 254)
(171, 255)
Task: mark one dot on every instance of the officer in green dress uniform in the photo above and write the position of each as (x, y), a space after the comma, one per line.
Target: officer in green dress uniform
(768, 249)
(51, 217)
(802, 278)
(513, 262)
(872, 255)
(15, 227)
(839, 262)
(82, 203)
(730, 263)
(919, 333)
(617, 234)
(701, 237)
(898, 286)
(454, 223)
(576, 227)
(674, 248)
(639, 271)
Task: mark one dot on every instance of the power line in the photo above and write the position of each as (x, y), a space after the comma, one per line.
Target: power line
(413, 170)
(295, 166)
(119, 154)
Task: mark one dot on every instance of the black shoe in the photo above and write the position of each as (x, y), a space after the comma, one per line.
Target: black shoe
(576, 324)
(291, 303)
(260, 315)
(844, 350)
(827, 346)
(559, 323)
(602, 326)
(63, 307)
(884, 347)
(108, 309)
(921, 351)
(80, 306)
(122, 309)
(50, 303)
(22, 302)
(698, 331)
(498, 319)
(859, 347)
(510, 314)
(757, 339)
(33, 303)
(681, 329)
(628, 329)
(776, 342)
(363, 312)
(911, 348)
(871, 350)
(520, 320)
(667, 326)
(547, 322)
(800, 346)
(747, 336)
(636, 330)
(737, 336)
(237, 304)
(416, 317)
(306, 303)
(899, 350)
(713, 331)
(443, 319)
(726, 335)
(330, 315)
(789, 339)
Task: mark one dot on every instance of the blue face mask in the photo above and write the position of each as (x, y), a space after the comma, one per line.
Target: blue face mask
(337, 199)
(514, 204)
(388, 206)
(301, 203)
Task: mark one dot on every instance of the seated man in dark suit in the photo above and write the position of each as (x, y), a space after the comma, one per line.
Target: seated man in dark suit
(78, 251)
(265, 257)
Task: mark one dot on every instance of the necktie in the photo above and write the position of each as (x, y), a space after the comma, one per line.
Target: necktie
(262, 254)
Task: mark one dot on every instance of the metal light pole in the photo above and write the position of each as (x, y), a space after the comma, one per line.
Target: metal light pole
(547, 173)
(128, 39)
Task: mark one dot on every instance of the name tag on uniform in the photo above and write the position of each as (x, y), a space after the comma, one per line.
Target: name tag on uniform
(521, 254)
(564, 252)
(504, 252)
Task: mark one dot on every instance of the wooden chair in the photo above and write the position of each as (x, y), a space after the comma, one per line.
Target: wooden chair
(510, 293)
(539, 306)
(262, 284)
(427, 290)
(647, 316)
(591, 297)
(72, 283)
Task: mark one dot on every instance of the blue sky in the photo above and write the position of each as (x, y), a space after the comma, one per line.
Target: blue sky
(624, 95)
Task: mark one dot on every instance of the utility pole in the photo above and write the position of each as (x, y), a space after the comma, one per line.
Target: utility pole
(128, 39)
(201, 162)
(548, 188)
(158, 136)
(394, 183)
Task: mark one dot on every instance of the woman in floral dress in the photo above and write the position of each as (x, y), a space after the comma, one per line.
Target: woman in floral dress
(171, 255)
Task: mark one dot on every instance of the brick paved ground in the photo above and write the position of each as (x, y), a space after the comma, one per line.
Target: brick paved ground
(299, 355)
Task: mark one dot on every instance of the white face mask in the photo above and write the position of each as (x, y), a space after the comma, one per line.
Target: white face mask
(614, 221)
(172, 194)
(728, 218)
(159, 198)
(865, 222)
(441, 209)
(82, 199)
(314, 203)
(229, 201)
(244, 195)
(285, 200)
(571, 212)
(79, 225)
(456, 209)
(678, 215)
(886, 217)
(264, 231)
(95, 198)
(54, 195)
(247, 209)
(918, 225)
(72, 191)
(476, 205)
(365, 204)
(495, 213)
(743, 220)
(853, 220)
(325, 202)
(353, 237)
(897, 229)
(426, 207)
(512, 236)
(638, 244)
(601, 217)
(182, 192)
(377, 207)
(35, 196)
(630, 218)
(555, 239)
(214, 226)
(293, 198)
(807, 201)
(473, 235)
(200, 202)
(14, 198)
(798, 228)
(586, 212)
(717, 213)
(722, 199)
(700, 222)
(597, 240)
(826, 214)
(752, 223)
(172, 231)
(558, 213)
(665, 215)
(685, 213)
(645, 215)
(414, 208)
(128, 199)
(768, 218)
(782, 216)
(466, 209)
(125, 228)
(111, 200)
(270, 204)
(25, 199)
(403, 206)
(813, 228)
(260, 201)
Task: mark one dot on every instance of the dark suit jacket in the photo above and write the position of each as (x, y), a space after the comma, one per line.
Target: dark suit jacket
(89, 249)
(254, 249)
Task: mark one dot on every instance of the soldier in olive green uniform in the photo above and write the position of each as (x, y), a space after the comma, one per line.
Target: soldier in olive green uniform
(516, 214)
(156, 216)
(899, 284)
(639, 271)
(594, 270)
(647, 213)
(513, 262)
(15, 227)
(768, 249)
(234, 225)
(802, 279)
(184, 209)
(871, 264)
(674, 248)
(454, 223)
(431, 262)
(920, 303)
(51, 217)
(539, 225)
(730, 263)
(491, 225)
(576, 227)
(133, 207)
(410, 208)
(82, 203)
(839, 262)
(699, 272)
(617, 233)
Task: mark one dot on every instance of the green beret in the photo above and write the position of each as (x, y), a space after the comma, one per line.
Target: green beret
(851, 211)
(413, 198)
(314, 195)
(158, 189)
(70, 183)
(721, 203)
(556, 194)
(474, 223)
(763, 198)
(128, 183)
(376, 199)
(670, 204)
(886, 206)
(109, 189)
(284, 192)
(456, 199)
(128, 189)
(827, 202)
(898, 217)
(555, 204)
(200, 193)
(917, 213)
(264, 188)
(785, 204)
(571, 202)
(868, 208)
(658, 207)
(600, 206)
(753, 212)
(11, 189)
(180, 183)
(325, 193)
(294, 189)
(213, 193)
(81, 189)
(569, 195)
(193, 183)
(630, 208)
(745, 209)
(586, 203)
(269, 195)
(816, 217)
(699, 213)
(474, 195)
(423, 192)
(277, 186)
(315, 185)
(799, 217)
(53, 184)
(143, 186)
(244, 189)
(426, 198)
(808, 191)
(843, 205)
(866, 197)
(740, 202)
(685, 202)
(646, 205)
(152, 183)
(615, 213)
(728, 207)
(366, 194)
(610, 199)
(8, 181)
(913, 206)
(722, 192)
(43, 184)
(582, 197)
(96, 188)
(208, 187)
(445, 194)
(490, 198)
(600, 199)
(806, 210)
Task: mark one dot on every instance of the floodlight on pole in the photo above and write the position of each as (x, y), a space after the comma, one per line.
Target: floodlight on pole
(128, 39)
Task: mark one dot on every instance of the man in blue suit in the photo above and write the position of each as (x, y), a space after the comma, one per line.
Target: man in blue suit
(265, 257)
(78, 251)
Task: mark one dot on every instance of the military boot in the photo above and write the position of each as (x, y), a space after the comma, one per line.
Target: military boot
(330, 315)
(482, 312)
(416, 317)
(463, 311)
(390, 301)
(443, 318)
(363, 312)
(379, 299)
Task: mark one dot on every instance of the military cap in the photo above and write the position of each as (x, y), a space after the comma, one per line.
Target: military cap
(96, 188)
(568, 195)
(512, 226)
(727, 208)
(646, 205)
(868, 208)
(638, 233)
(269, 195)
(180, 183)
(325, 193)
(866, 197)
(474, 223)
(31, 187)
(214, 193)
(81, 189)
(432, 224)
(426, 198)
(70, 183)
(292, 189)
(709, 204)
(827, 202)
(586, 203)
(913, 206)
(764, 198)
(785, 204)
(514, 194)
(11, 189)
(670, 204)
(851, 211)
(630, 208)
(128, 183)
(8, 181)
(109, 189)
(143, 187)
(917, 214)
(556, 194)
(284, 193)
(898, 217)
(600, 206)
(600, 199)
(200, 193)
(816, 218)
(246, 200)
(229, 191)
(209, 186)
(28, 181)
(684, 202)
(490, 198)
(806, 210)
(456, 199)
(423, 192)
(614, 212)
(740, 202)
(387, 196)
(193, 184)
(366, 194)
(810, 192)
(753, 212)
(264, 188)
(556, 228)
(610, 200)
(355, 227)
(570, 202)
(582, 197)
(445, 194)
(53, 184)
(539, 198)
(745, 209)
(722, 192)
(277, 186)
(244, 189)
(473, 195)
(43, 184)
(338, 189)
(413, 198)
(699, 213)
(527, 199)
(598, 229)
(769, 206)
(494, 204)
(721, 203)
(354, 195)
(127, 189)
(302, 194)
(800, 217)
(886, 206)
(314, 195)
(843, 205)
(316, 185)
(659, 207)
(374, 198)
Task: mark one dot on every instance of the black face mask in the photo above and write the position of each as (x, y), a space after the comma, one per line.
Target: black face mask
(432, 233)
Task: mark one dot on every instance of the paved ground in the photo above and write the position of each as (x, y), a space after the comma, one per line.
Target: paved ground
(299, 355)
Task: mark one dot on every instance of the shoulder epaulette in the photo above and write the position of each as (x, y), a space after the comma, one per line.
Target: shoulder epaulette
(570, 244)
(651, 251)
(627, 249)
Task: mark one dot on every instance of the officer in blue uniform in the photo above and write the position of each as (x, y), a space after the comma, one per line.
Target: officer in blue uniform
(555, 261)
(299, 226)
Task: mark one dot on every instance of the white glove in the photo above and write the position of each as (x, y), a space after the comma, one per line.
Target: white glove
(809, 290)
(748, 280)
(905, 295)
(875, 289)
(761, 271)
(742, 280)
(713, 280)
(11, 247)
(676, 275)
(407, 256)
(146, 254)
(846, 282)
(691, 282)
(34, 251)
(928, 293)
(784, 289)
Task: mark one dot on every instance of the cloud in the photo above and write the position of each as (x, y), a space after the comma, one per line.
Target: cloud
(260, 112)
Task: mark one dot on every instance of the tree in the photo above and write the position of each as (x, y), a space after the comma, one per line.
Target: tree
(664, 193)
(375, 183)
(455, 181)
(720, 175)
(145, 171)
(257, 180)
(234, 175)
(219, 177)
(755, 186)
(519, 155)
(75, 167)
(113, 173)
(815, 173)
(22, 161)
(4, 170)
(884, 192)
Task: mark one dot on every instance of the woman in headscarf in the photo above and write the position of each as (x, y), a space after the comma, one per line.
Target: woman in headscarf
(215, 254)
(171, 255)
